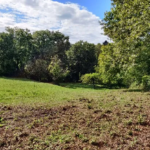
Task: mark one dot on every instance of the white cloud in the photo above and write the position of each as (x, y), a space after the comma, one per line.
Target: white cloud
(70, 19)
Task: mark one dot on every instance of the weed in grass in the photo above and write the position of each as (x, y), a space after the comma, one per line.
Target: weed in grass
(129, 122)
(2, 125)
(81, 136)
(1, 119)
(2, 122)
(46, 143)
(90, 106)
(32, 138)
(15, 119)
(113, 134)
(62, 138)
(133, 143)
(141, 120)
(85, 139)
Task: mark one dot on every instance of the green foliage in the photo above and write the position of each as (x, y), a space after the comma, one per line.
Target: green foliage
(14, 50)
(19, 46)
(37, 70)
(56, 70)
(81, 58)
(123, 62)
(127, 58)
(125, 20)
(22, 52)
(47, 44)
(146, 82)
(109, 66)
(91, 78)
(97, 51)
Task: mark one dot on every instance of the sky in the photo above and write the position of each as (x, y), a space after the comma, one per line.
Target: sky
(78, 19)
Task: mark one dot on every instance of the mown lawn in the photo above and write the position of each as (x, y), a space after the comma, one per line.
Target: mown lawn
(72, 116)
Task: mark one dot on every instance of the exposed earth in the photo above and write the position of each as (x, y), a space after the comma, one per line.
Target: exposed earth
(77, 125)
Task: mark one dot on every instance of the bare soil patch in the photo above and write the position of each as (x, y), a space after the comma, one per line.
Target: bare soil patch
(77, 125)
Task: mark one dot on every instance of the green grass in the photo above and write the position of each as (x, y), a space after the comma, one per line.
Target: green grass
(26, 92)
(31, 93)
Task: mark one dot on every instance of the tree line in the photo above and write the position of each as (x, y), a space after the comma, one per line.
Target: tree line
(49, 56)
(45, 55)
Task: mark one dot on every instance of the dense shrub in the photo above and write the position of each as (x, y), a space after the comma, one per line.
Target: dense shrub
(91, 78)
(37, 70)
(146, 82)
(57, 70)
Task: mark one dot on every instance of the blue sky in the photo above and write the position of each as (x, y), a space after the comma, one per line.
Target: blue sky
(79, 19)
(98, 7)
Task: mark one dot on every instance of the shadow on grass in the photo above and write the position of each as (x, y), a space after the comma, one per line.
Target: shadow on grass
(84, 86)
(76, 85)
(134, 90)
(66, 85)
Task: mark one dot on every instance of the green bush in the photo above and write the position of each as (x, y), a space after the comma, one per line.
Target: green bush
(37, 70)
(91, 78)
(56, 70)
(146, 82)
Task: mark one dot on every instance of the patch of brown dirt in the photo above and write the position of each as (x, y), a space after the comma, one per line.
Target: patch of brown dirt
(73, 127)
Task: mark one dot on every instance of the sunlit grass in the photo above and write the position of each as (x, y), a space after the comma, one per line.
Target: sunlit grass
(27, 92)
(19, 91)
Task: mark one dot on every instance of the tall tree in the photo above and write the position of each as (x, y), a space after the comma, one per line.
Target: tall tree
(127, 20)
(47, 44)
(82, 59)
(7, 64)
(14, 49)
(127, 24)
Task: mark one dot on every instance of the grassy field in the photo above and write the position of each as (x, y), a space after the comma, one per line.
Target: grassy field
(43, 116)
(26, 92)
